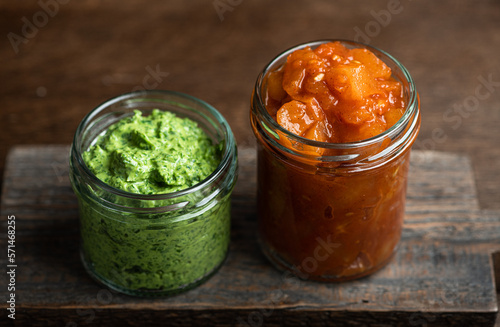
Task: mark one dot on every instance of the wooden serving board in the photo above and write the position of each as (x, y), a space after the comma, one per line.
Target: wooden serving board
(442, 274)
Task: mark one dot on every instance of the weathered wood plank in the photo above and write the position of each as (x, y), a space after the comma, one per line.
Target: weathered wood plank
(441, 275)
(441, 182)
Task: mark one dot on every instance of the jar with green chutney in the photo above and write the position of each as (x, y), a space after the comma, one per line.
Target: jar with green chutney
(153, 172)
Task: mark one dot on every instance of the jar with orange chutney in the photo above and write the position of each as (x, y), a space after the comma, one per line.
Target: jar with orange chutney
(334, 123)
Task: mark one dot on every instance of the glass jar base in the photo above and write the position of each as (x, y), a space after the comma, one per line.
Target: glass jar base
(281, 264)
(147, 292)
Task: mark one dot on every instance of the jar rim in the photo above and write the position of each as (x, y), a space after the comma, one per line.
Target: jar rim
(411, 107)
(136, 96)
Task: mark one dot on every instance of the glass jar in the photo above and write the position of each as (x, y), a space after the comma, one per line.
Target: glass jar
(336, 216)
(154, 245)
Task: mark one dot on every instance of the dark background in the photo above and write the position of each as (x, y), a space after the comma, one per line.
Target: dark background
(60, 59)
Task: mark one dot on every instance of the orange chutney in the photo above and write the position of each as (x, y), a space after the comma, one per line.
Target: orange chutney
(334, 125)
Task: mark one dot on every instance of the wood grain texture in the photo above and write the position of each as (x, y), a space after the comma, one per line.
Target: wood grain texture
(442, 274)
(92, 50)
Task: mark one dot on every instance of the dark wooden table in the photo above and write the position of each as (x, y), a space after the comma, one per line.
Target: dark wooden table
(59, 59)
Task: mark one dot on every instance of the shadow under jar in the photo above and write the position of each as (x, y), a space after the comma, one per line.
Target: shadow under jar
(157, 244)
(339, 215)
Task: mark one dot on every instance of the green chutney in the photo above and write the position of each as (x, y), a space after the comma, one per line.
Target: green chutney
(137, 252)
(155, 154)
